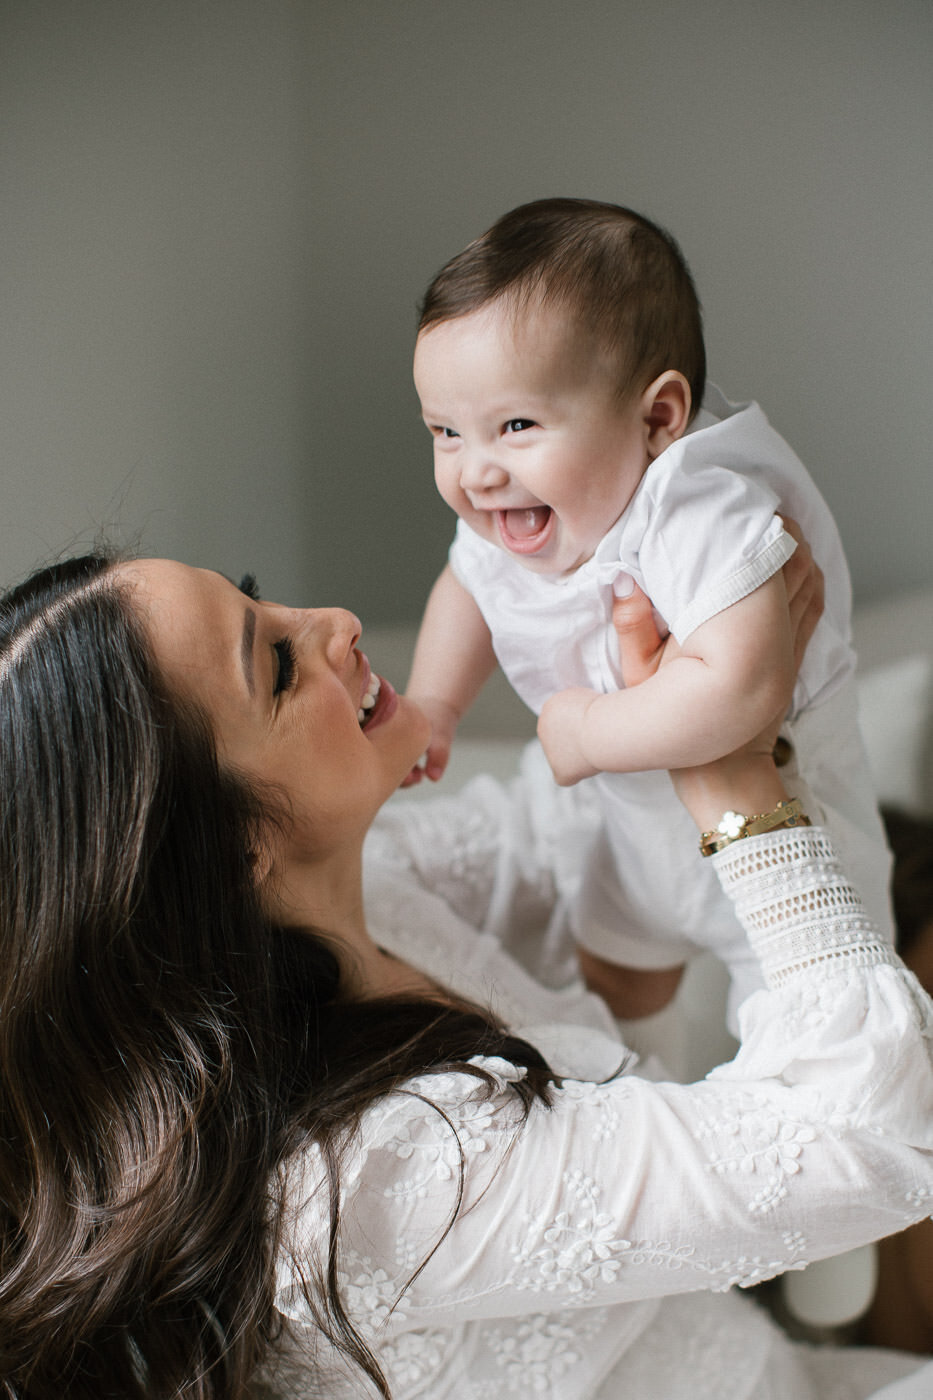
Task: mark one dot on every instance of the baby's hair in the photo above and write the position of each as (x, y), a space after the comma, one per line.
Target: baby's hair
(622, 278)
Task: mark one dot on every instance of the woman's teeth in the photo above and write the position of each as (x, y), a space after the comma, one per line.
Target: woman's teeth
(369, 699)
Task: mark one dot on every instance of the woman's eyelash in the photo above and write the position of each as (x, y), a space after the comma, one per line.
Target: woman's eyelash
(287, 665)
(286, 660)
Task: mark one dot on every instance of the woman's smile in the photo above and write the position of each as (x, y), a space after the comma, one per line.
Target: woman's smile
(379, 703)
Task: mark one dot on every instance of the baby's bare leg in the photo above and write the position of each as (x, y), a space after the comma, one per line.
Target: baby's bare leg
(629, 992)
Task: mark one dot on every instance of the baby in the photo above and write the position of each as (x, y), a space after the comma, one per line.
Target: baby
(561, 371)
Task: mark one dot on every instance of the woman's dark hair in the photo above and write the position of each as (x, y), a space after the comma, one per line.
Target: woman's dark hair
(164, 1047)
(620, 278)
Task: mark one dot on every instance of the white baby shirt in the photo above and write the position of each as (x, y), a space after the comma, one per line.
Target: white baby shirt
(701, 532)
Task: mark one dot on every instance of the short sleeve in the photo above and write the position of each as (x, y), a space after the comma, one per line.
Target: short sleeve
(711, 536)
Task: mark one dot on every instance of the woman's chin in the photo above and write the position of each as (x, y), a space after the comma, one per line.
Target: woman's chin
(405, 736)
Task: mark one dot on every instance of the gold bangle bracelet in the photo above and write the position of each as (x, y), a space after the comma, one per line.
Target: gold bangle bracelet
(734, 826)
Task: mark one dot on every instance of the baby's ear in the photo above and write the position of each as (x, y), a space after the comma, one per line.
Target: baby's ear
(666, 405)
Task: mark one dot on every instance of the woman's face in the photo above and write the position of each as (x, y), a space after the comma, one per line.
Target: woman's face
(283, 689)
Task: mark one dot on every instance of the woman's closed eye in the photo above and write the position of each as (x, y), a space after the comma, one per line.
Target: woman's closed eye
(286, 658)
(286, 665)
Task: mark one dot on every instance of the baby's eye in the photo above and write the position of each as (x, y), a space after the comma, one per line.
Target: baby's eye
(286, 665)
(447, 433)
(518, 425)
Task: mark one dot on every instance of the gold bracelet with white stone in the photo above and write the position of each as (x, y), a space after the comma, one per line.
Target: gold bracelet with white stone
(735, 827)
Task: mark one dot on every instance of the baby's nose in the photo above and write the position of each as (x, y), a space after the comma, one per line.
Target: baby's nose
(480, 471)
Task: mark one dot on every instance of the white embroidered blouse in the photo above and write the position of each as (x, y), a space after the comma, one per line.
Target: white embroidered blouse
(484, 1257)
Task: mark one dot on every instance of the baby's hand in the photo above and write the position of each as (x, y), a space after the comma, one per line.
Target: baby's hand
(559, 727)
(443, 727)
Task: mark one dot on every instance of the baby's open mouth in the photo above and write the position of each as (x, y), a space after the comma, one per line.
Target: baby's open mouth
(525, 530)
(368, 703)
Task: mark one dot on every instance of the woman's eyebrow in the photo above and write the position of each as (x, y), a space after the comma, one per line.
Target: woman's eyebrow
(246, 649)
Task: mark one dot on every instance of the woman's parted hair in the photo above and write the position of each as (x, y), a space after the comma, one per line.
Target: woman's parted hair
(164, 1048)
(622, 279)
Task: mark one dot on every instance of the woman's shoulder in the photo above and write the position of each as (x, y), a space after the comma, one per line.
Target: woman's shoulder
(411, 1146)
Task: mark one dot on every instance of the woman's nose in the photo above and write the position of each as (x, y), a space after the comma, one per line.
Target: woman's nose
(331, 632)
(343, 630)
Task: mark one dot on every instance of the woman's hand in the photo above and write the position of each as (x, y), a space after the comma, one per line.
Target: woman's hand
(747, 780)
(803, 579)
(642, 649)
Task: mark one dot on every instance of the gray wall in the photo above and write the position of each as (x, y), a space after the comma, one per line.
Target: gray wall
(218, 217)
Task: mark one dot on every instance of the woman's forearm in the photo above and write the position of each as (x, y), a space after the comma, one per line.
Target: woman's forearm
(747, 782)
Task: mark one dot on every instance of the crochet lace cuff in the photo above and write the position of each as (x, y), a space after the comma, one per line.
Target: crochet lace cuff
(797, 904)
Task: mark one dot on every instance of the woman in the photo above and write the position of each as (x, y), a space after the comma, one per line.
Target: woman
(224, 1102)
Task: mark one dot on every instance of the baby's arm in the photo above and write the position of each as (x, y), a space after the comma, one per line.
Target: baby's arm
(453, 660)
(731, 676)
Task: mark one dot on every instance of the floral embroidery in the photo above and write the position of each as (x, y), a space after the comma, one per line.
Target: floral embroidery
(438, 1148)
(457, 869)
(765, 1145)
(409, 1254)
(369, 1295)
(542, 1349)
(663, 1254)
(609, 1099)
(377, 1304)
(574, 1252)
(795, 1244)
(414, 1357)
(921, 1197)
(748, 1270)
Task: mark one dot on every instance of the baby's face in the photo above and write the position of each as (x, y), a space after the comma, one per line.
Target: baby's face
(533, 447)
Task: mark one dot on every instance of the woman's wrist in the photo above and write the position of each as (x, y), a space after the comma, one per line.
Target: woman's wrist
(748, 783)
